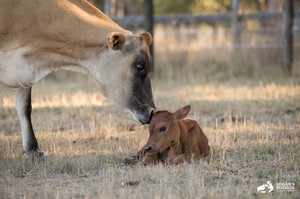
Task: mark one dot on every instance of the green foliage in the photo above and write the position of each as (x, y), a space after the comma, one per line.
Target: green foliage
(99, 4)
(172, 6)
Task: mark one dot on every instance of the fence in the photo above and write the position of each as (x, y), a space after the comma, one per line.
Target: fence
(211, 19)
(198, 40)
(254, 32)
(185, 25)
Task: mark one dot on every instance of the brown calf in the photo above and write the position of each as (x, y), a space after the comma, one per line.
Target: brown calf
(174, 140)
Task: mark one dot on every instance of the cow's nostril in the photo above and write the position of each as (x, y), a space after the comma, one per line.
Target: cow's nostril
(151, 113)
(147, 149)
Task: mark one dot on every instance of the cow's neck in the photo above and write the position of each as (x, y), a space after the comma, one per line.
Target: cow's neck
(175, 149)
(77, 32)
(80, 33)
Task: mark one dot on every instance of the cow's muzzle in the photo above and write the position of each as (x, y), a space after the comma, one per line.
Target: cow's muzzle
(144, 117)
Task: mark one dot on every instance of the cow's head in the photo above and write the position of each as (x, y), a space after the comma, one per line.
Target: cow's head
(164, 130)
(123, 73)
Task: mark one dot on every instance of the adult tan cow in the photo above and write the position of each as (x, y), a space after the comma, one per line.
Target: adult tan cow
(38, 37)
(174, 140)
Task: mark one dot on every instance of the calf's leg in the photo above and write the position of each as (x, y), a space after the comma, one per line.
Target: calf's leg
(23, 106)
(179, 159)
(149, 158)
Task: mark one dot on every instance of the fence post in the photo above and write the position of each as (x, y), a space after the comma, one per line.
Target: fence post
(149, 24)
(287, 28)
(235, 23)
(107, 7)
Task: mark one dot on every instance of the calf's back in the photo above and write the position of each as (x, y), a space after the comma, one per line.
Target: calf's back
(196, 142)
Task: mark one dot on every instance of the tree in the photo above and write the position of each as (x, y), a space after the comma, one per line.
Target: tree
(235, 23)
(149, 22)
(287, 26)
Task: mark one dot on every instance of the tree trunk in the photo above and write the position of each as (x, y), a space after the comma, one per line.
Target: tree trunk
(287, 45)
(235, 23)
(107, 7)
(149, 24)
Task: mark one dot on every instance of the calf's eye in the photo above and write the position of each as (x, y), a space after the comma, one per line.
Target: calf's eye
(162, 129)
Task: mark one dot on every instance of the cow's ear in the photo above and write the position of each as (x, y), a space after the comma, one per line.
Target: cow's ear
(146, 37)
(182, 112)
(116, 40)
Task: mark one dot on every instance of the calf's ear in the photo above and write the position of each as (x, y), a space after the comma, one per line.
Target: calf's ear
(116, 40)
(182, 112)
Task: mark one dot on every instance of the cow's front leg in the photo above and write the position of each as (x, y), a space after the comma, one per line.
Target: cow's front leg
(23, 105)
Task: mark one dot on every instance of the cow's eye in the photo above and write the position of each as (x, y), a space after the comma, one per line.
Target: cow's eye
(162, 129)
(140, 66)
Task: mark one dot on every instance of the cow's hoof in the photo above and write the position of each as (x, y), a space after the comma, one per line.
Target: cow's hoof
(36, 155)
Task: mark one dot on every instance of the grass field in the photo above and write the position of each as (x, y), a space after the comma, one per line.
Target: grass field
(247, 107)
(253, 130)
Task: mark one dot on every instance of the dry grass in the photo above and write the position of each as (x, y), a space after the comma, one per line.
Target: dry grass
(247, 108)
(253, 130)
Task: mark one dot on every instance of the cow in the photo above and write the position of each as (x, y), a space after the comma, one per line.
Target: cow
(174, 140)
(39, 37)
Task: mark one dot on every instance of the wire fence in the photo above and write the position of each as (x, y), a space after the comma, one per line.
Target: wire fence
(194, 47)
(256, 30)
(220, 37)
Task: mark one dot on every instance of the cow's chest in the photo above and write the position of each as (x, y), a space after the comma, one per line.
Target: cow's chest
(16, 72)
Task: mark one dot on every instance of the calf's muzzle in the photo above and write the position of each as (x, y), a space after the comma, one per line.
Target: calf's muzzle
(147, 149)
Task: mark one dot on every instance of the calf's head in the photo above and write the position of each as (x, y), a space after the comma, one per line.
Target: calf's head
(164, 130)
(123, 73)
